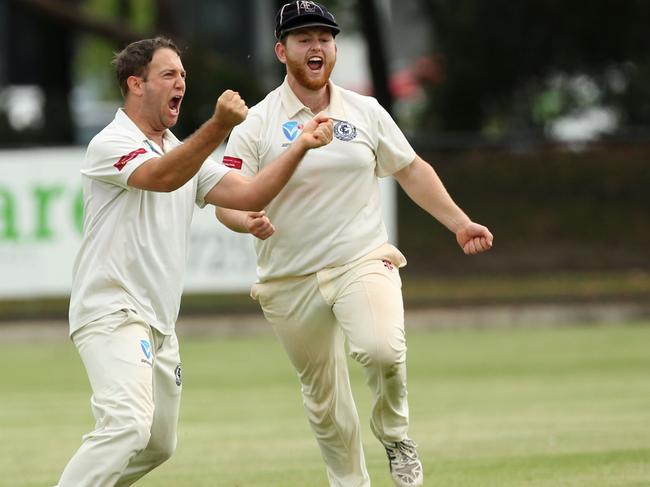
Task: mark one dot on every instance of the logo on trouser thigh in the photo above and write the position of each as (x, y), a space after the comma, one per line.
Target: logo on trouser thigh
(388, 264)
(146, 350)
(178, 375)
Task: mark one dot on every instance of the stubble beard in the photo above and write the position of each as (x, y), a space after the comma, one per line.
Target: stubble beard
(159, 116)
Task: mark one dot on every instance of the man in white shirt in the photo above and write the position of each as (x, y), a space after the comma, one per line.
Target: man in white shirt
(140, 185)
(326, 271)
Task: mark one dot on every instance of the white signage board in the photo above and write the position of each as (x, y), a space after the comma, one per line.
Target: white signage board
(41, 218)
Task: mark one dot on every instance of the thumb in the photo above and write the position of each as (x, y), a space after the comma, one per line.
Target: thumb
(321, 117)
(256, 214)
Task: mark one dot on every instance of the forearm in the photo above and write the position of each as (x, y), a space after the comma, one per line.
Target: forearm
(272, 178)
(235, 220)
(424, 187)
(236, 192)
(179, 165)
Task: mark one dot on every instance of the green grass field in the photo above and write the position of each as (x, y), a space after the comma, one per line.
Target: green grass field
(553, 407)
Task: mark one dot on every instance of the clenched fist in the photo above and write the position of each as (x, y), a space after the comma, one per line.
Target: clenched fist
(259, 225)
(474, 238)
(317, 132)
(230, 109)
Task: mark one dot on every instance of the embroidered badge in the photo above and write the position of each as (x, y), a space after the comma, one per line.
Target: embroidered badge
(344, 131)
(306, 6)
(178, 375)
(232, 162)
(146, 350)
(124, 160)
(291, 129)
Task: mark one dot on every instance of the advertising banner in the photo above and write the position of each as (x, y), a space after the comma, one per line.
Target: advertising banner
(41, 220)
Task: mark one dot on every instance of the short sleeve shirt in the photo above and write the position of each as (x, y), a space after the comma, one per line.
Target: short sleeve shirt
(329, 212)
(134, 246)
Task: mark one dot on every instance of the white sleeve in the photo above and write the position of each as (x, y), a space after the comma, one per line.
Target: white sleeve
(393, 150)
(208, 176)
(113, 159)
(242, 150)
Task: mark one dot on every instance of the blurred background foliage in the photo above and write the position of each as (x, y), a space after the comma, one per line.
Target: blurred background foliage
(519, 65)
(497, 70)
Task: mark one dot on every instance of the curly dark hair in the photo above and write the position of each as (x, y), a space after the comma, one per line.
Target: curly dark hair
(134, 59)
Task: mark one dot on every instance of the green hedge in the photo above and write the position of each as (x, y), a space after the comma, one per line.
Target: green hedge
(550, 210)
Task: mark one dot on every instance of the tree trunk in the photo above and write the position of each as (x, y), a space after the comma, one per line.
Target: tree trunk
(371, 25)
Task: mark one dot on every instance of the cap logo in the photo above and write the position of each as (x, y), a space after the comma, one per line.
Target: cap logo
(306, 6)
(303, 13)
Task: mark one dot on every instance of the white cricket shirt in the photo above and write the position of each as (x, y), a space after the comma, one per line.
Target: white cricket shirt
(329, 213)
(134, 245)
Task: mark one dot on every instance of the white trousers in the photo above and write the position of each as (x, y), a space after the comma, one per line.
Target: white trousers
(313, 316)
(134, 373)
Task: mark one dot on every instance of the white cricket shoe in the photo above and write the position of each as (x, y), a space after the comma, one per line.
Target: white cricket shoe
(405, 466)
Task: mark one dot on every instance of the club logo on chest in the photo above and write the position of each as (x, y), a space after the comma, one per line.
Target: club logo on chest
(344, 131)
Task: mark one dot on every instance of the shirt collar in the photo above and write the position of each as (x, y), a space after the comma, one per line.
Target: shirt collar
(123, 120)
(292, 105)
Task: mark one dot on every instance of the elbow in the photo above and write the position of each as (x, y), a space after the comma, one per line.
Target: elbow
(255, 201)
(167, 185)
(218, 214)
(257, 205)
(261, 201)
(243, 203)
(244, 196)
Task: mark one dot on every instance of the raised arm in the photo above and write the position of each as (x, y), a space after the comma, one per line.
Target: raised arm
(241, 193)
(172, 170)
(425, 188)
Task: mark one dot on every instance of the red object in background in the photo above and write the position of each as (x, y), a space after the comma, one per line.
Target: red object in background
(407, 82)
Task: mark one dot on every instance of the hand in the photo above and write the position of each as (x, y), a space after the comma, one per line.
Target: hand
(259, 225)
(474, 238)
(317, 132)
(230, 109)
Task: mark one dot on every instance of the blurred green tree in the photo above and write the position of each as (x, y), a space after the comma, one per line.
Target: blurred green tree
(502, 59)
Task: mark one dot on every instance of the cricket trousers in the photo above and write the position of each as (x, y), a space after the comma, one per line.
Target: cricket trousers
(135, 376)
(313, 316)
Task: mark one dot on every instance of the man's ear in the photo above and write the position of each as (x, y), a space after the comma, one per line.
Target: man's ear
(135, 84)
(281, 52)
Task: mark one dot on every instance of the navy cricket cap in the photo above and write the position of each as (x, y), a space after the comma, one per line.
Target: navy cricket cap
(296, 15)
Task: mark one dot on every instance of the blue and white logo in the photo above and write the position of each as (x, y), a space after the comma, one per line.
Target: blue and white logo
(291, 129)
(345, 131)
(146, 348)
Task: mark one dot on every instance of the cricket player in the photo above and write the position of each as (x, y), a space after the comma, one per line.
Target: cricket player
(326, 272)
(140, 185)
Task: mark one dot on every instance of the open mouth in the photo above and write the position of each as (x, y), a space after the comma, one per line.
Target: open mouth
(175, 104)
(315, 63)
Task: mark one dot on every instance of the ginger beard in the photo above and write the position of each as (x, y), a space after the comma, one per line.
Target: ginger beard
(312, 76)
